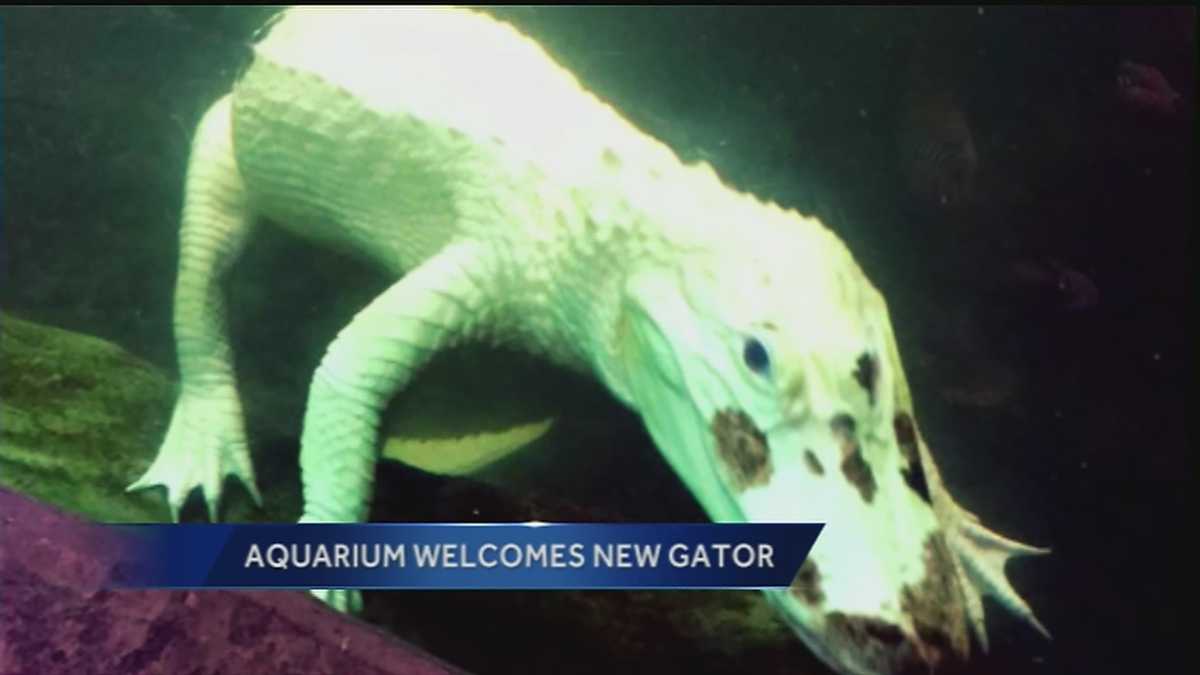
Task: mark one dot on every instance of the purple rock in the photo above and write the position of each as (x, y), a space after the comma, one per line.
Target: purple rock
(56, 617)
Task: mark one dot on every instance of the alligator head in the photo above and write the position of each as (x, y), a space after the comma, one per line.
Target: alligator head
(764, 365)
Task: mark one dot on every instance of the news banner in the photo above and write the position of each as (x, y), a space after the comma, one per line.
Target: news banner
(461, 555)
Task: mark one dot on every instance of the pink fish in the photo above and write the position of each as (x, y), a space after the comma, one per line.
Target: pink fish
(1146, 88)
(1058, 285)
(935, 143)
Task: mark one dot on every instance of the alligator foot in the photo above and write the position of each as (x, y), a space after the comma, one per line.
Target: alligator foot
(204, 443)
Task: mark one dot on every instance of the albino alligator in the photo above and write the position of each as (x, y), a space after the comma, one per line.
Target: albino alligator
(513, 205)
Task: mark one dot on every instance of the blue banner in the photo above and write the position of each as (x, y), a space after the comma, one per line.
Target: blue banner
(462, 556)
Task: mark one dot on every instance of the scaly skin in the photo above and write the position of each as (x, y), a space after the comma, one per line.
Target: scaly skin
(512, 205)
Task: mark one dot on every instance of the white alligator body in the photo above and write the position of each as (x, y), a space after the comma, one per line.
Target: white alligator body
(513, 205)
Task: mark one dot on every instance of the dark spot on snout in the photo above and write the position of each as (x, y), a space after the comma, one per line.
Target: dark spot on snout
(866, 372)
(906, 437)
(806, 587)
(814, 464)
(854, 466)
(906, 440)
(936, 606)
(880, 646)
(742, 448)
(858, 472)
(610, 159)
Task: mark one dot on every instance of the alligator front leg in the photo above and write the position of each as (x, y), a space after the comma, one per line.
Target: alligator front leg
(206, 439)
(432, 307)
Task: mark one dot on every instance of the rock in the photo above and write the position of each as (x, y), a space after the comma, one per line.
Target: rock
(79, 421)
(57, 618)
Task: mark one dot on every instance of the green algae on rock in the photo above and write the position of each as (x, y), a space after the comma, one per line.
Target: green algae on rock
(78, 416)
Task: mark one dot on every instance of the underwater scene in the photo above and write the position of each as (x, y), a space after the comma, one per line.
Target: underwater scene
(922, 274)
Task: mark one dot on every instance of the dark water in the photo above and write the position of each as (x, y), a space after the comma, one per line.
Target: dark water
(1058, 414)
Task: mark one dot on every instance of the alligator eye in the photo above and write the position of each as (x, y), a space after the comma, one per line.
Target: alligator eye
(755, 356)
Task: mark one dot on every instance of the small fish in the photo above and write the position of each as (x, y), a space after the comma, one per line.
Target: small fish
(1145, 88)
(958, 356)
(1056, 284)
(980, 384)
(935, 144)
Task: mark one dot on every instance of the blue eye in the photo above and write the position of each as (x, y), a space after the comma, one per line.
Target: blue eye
(755, 356)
